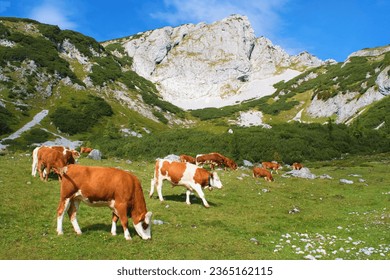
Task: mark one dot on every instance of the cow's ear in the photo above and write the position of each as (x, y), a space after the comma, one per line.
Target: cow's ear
(148, 217)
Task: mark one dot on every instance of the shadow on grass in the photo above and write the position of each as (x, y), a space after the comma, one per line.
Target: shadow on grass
(182, 198)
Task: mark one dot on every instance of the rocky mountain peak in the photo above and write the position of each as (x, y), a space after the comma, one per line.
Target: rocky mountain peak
(212, 65)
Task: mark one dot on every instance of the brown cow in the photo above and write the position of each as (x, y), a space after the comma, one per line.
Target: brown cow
(49, 158)
(185, 158)
(215, 159)
(71, 156)
(271, 165)
(183, 174)
(85, 150)
(297, 166)
(121, 191)
(262, 172)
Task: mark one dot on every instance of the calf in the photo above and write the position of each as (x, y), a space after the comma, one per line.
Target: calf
(85, 150)
(215, 159)
(50, 158)
(262, 172)
(271, 165)
(184, 174)
(297, 166)
(185, 158)
(121, 191)
(70, 156)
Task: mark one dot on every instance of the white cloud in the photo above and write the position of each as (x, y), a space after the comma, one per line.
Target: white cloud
(53, 12)
(263, 14)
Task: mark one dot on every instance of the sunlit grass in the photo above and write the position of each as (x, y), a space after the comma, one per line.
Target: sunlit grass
(248, 219)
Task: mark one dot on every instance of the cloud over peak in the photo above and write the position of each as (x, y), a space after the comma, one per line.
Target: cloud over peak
(53, 12)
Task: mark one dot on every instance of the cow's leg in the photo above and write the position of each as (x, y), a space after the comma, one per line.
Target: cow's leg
(47, 169)
(40, 170)
(200, 192)
(72, 212)
(152, 185)
(62, 208)
(113, 225)
(159, 189)
(188, 193)
(121, 210)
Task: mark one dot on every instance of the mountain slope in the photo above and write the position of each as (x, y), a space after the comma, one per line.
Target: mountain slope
(106, 93)
(73, 76)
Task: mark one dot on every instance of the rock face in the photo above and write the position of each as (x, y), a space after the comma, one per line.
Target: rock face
(212, 65)
(347, 105)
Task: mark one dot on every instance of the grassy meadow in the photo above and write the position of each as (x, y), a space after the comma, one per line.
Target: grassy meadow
(288, 219)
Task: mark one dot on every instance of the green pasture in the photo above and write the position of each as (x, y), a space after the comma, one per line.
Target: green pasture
(248, 219)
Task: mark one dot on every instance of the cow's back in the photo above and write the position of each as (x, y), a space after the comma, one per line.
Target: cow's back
(172, 169)
(101, 183)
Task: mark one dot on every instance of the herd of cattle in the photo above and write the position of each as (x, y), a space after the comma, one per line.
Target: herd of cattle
(121, 191)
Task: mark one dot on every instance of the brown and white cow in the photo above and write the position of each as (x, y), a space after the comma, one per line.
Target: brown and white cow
(215, 159)
(262, 172)
(71, 156)
(120, 190)
(186, 158)
(49, 158)
(185, 174)
(271, 165)
(297, 166)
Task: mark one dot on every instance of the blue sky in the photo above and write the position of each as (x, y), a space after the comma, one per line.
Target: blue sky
(327, 29)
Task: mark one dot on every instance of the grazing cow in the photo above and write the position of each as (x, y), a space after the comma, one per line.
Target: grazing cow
(262, 172)
(85, 150)
(185, 158)
(71, 156)
(297, 166)
(49, 158)
(184, 174)
(215, 159)
(271, 165)
(231, 163)
(121, 191)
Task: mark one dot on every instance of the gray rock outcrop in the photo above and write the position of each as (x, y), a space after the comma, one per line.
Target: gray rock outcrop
(212, 65)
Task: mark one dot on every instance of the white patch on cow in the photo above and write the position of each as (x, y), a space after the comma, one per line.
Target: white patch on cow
(79, 196)
(144, 233)
(113, 228)
(127, 234)
(76, 226)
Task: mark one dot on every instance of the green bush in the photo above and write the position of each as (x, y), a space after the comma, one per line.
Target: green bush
(6, 119)
(107, 69)
(81, 116)
(290, 142)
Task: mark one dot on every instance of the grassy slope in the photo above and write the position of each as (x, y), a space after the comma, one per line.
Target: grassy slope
(344, 220)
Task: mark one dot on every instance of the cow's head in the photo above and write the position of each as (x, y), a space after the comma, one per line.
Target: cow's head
(232, 165)
(143, 228)
(215, 182)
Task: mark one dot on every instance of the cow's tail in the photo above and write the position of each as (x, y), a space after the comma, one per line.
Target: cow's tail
(154, 181)
(61, 171)
(34, 166)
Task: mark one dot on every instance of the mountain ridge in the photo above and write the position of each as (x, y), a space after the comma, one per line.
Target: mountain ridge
(72, 75)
